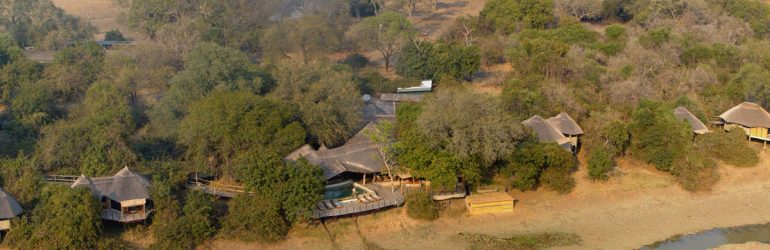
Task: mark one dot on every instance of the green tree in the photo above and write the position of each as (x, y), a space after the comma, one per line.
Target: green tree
(439, 165)
(207, 67)
(226, 125)
(73, 71)
(328, 99)
(114, 35)
(40, 24)
(304, 187)
(309, 36)
(94, 139)
(420, 205)
(423, 60)
(658, 136)
(65, 219)
(600, 163)
(541, 163)
(387, 33)
(509, 16)
(539, 56)
(468, 124)
(255, 218)
(148, 16)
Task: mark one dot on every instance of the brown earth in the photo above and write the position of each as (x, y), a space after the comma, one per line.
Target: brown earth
(105, 15)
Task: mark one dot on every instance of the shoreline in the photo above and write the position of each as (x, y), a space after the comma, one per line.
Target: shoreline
(640, 207)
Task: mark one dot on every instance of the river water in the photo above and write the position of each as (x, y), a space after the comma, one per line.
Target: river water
(715, 237)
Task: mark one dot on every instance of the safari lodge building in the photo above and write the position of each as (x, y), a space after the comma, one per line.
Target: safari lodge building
(124, 197)
(752, 118)
(9, 208)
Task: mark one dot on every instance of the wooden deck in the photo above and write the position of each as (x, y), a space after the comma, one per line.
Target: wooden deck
(115, 215)
(389, 199)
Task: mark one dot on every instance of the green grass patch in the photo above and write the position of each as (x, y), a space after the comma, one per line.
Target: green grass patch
(522, 241)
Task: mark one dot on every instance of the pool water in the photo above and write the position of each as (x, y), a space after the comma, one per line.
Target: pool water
(341, 191)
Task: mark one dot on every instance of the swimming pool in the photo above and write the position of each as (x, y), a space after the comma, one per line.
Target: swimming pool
(341, 190)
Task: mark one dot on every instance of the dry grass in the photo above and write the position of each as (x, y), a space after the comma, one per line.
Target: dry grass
(105, 15)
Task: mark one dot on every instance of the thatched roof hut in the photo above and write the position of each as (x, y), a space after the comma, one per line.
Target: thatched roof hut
(358, 155)
(545, 131)
(9, 207)
(747, 114)
(123, 186)
(696, 124)
(124, 195)
(565, 124)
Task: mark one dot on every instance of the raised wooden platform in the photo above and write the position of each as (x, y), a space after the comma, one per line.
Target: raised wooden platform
(389, 199)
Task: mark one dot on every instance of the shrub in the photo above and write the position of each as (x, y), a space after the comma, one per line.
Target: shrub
(695, 171)
(730, 147)
(696, 54)
(114, 35)
(509, 16)
(420, 205)
(600, 163)
(558, 178)
(615, 31)
(255, 218)
(659, 137)
(544, 163)
(655, 38)
(356, 61)
(429, 61)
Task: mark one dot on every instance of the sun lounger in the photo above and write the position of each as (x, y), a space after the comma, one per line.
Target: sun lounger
(320, 205)
(337, 204)
(329, 205)
(361, 198)
(375, 196)
(369, 198)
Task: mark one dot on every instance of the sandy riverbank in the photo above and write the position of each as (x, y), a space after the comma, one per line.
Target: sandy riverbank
(638, 208)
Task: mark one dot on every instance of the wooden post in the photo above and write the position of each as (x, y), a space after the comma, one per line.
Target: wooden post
(364, 179)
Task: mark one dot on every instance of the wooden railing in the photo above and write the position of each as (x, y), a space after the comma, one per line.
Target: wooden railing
(359, 207)
(214, 188)
(61, 178)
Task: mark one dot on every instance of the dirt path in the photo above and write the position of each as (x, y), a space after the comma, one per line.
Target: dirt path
(638, 208)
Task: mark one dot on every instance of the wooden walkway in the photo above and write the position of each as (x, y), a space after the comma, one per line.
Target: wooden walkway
(62, 179)
(214, 188)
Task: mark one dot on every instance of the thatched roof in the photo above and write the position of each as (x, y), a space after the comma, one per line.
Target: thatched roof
(545, 131)
(358, 155)
(696, 124)
(747, 114)
(9, 207)
(565, 124)
(123, 186)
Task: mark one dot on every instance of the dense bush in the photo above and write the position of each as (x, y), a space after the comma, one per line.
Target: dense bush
(600, 163)
(695, 171)
(194, 226)
(541, 163)
(254, 218)
(66, 218)
(659, 137)
(729, 147)
(428, 61)
(420, 205)
(114, 35)
(509, 16)
(696, 54)
(655, 38)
